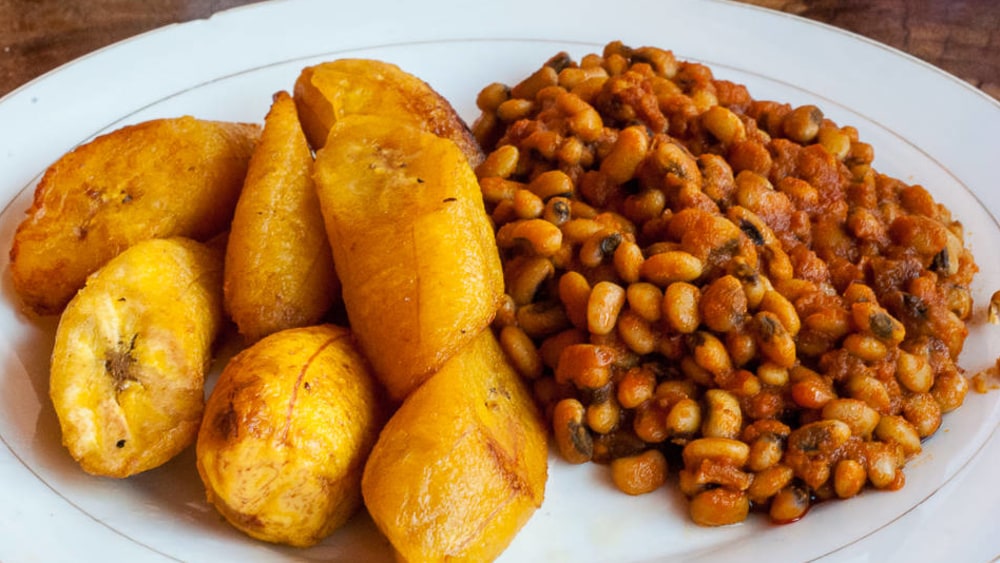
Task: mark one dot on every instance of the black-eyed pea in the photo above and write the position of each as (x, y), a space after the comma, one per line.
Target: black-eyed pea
(514, 109)
(684, 418)
(649, 423)
(831, 322)
(598, 246)
(627, 153)
(491, 96)
(603, 307)
(870, 317)
(835, 141)
(752, 226)
(742, 347)
(723, 304)
(663, 62)
(710, 353)
(858, 292)
(802, 124)
(542, 318)
(552, 183)
(914, 372)
(627, 259)
(645, 299)
(543, 77)
(865, 347)
(772, 374)
(870, 390)
(521, 352)
(527, 205)
(861, 418)
(525, 275)
(667, 267)
(639, 474)
(557, 210)
(588, 366)
(584, 121)
(496, 189)
(812, 391)
(603, 416)
(724, 417)
(644, 206)
(778, 264)
(670, 391)
(681, 307)
(724, 125)
(923, 412)
(821, 436)
(790, 504)
(552, 346)
(501, 163)
(694, 372)
(542, 237)
(635, 387)
(725, 450)
(572, 438)
(719, 507)
(776, 303)
(774, 342)
(898, 430)
(574, 293)
(883, 463)
(570, 77)
(637, 333)
(949, 390)
(768, 482)
(578, 230)
(765, 452)
(849, 477)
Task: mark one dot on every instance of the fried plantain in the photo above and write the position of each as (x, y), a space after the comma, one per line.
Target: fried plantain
(157, 179)
(279, 269)
(130, 356)
(330, 91)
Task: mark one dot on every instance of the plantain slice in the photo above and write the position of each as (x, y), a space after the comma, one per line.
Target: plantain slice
(156, 179)
(462, 465)
(412, 244)
(130, 355)
(330, 91)
(279, 270)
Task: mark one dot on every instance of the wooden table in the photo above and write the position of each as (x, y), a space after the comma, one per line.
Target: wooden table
(962, 37)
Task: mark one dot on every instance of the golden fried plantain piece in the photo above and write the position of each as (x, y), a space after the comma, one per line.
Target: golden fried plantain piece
(130, 355)
(330, 91)
(462, 464)
(279, 269)
(286, 433)
(157, 179)
(412, 245)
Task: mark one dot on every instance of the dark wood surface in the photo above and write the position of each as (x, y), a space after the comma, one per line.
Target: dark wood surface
(959, 36)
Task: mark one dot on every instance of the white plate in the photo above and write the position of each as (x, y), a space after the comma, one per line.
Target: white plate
(927, 128)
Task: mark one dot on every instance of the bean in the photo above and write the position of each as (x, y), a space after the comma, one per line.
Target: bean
(599, 245)
(521, 352)
(588, 366)
(769, 482)
(726, 450)
(626, 154)
(603, 416)
(776, 303)
(646, 300)
(572, 438)
(802, 123)
(542, 237)
(603, 306)
(525, 277)
(923, 412)
(719, 507)
(492, 96)
(639, 474)
(541, 318)
(849, 477)
(501, 163)
(774, 342)
(913, 372)
(765, 452)
(949, 390)
(724, 125)
(790, 504)
(628, 260)
(681, 307)
(896, 429)
(668, 267)
(861, 418)
(574, 293)
(723, 304)
(684, 418)
(635, 387)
